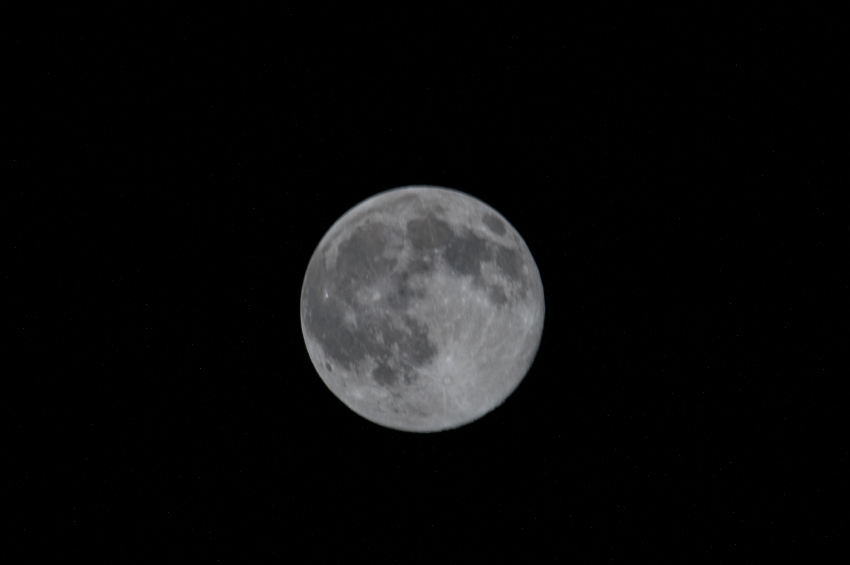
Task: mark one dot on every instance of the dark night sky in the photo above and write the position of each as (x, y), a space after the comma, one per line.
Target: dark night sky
(173, 171)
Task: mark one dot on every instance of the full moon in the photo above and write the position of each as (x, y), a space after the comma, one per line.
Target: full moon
(422, 309)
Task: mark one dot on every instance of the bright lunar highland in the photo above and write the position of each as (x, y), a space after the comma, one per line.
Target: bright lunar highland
(422, 309)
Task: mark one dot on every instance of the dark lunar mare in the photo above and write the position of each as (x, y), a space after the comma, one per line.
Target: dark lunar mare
(494, 224)
(465, 252)
(497, 295)
(428, 233)
(398, 344)
(510, 262)
(361, 257)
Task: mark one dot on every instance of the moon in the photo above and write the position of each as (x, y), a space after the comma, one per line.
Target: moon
(422, 309)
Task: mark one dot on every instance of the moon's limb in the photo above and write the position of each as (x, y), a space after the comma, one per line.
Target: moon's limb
(422, 309)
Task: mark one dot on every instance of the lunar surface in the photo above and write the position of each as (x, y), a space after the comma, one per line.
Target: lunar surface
(422, 309)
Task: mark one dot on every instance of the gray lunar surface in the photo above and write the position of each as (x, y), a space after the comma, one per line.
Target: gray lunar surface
(422, 309)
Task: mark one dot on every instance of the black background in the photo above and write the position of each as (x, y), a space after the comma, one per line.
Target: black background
(174, 169)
